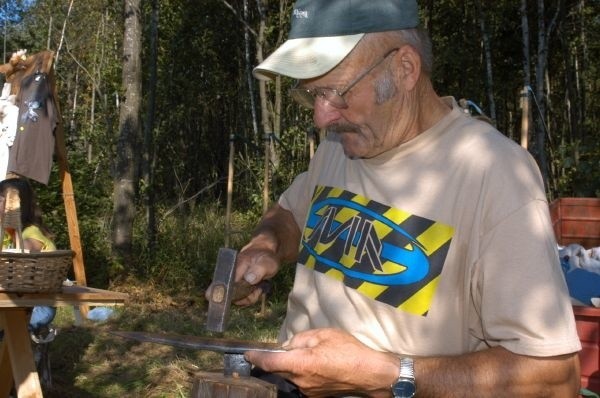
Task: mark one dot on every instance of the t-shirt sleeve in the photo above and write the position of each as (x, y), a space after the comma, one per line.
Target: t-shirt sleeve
(33, 232)
(296, 198)
(524, 301)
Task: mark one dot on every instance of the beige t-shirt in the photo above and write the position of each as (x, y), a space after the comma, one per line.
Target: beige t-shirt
(440, 246)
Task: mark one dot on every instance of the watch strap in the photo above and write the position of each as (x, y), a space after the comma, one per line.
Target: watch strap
(407, 368)
(405, 387)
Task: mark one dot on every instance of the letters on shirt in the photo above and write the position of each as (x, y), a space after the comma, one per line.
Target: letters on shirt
(384, 253)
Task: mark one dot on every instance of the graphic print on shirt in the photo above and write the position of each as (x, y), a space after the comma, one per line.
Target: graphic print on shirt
(383, 253)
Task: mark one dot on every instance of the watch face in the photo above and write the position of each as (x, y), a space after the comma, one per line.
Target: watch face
(403, 389)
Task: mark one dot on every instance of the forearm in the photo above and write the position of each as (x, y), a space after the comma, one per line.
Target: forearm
(497, 373)
(278, 232)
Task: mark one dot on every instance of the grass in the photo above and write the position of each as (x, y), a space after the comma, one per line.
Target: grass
(166, 295)
(87, 361)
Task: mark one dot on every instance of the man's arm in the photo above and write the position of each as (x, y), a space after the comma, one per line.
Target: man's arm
(277, 232)
(497, 372)
(274, 241)
(322, 362)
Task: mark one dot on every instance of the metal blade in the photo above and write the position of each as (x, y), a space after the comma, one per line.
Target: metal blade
(228, 346)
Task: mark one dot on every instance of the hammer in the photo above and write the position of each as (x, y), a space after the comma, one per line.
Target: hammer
(225, 290)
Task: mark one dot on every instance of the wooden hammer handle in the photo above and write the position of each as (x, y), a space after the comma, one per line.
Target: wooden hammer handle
(243, 289)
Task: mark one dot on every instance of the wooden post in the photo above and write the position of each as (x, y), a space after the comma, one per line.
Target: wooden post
(68, 194)
(6, 376)
(215, 385)
(524, 117)
(18, 342)
(229, 190)
(267, 140)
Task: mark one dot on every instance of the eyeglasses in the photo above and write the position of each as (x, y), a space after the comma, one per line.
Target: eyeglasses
(307, 96)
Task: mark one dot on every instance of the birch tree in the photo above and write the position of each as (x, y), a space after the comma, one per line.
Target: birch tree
(525, 118)
(148, 155)
(487, 50)
(544, 34)
(129, 132)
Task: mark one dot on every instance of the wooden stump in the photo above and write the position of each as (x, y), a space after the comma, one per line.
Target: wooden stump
(215, 385)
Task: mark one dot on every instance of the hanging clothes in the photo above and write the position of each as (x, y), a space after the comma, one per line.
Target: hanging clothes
(33, 148)
(9, 115)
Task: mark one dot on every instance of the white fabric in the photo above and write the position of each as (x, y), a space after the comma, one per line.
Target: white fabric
(9, 117)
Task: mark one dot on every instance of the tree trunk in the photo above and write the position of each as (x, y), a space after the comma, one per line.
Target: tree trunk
(129, 131)
(47, 42)
(525, 37)
(581, 70)
(148, 155)
(249, 76)
(544, 34)
(488, 63)
(525, 98)
(62, 34)
(265, 114)
(72, 123)
(571, 100)
(540, 68)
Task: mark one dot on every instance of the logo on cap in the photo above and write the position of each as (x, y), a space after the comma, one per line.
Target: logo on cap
(300, 13)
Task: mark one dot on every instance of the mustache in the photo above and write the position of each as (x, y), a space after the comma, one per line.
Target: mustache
(343, 128)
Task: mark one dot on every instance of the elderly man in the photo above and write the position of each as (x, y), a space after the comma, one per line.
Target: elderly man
(426, 262)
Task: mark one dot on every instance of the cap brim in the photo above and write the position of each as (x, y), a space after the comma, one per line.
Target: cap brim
(306, 58)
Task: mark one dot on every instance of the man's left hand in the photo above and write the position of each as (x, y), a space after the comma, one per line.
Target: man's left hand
(325, 361)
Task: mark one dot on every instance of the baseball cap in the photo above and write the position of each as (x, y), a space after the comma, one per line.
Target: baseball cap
(324, 32)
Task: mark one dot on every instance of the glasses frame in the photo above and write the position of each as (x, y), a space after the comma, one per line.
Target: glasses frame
(307, 96)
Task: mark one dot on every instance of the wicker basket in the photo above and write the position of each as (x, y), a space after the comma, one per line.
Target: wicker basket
(42, 272)
(24, 272)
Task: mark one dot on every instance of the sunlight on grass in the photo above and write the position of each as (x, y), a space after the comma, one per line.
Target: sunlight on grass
(165, 296)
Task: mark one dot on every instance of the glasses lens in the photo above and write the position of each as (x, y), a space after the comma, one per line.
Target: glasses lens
(303, 96)
(306, 97)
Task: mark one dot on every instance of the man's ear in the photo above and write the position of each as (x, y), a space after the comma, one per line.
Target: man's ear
(408, 67)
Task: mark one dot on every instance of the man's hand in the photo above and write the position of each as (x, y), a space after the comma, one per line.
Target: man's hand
(255, 263)
(275, 239)
(329, 362)
(325, 362)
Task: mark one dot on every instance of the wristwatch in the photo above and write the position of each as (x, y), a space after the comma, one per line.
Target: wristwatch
(405, 387)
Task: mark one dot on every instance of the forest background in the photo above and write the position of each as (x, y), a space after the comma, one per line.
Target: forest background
(158, 102)
(156, 95)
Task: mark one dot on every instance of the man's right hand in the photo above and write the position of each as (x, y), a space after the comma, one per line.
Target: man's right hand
(255, 263)
(275, 240)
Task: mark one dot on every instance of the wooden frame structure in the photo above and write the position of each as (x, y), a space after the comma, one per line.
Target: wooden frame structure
(20, 66)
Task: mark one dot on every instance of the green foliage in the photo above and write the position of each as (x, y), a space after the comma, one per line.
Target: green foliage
(203, 97)
(92, 189)
(187, 246)
(578, 170)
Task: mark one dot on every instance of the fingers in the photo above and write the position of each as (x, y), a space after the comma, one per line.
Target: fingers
(252, 298)
(254, 265)
(275, 362)
(311, 338)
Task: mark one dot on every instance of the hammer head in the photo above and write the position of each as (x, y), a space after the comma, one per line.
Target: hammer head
(222, 290)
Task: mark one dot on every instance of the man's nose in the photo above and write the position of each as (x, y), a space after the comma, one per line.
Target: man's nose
(324, 113)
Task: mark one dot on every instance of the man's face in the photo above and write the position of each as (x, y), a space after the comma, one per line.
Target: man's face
(372, 121)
